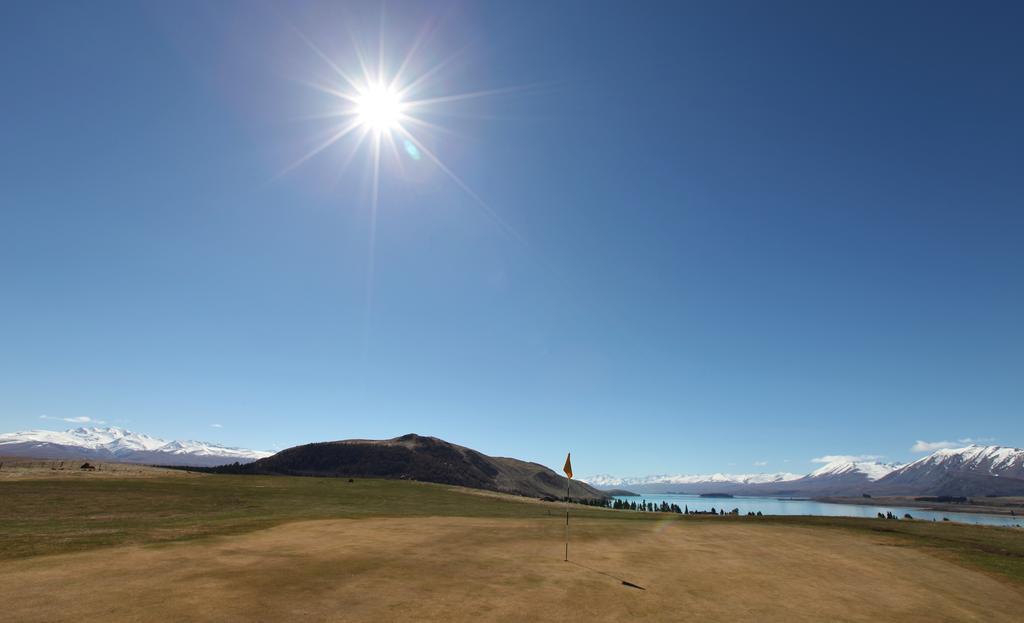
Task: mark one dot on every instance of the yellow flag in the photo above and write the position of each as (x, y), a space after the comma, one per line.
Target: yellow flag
(568, 466)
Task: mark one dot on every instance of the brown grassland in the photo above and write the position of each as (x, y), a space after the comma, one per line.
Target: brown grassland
(186, 547)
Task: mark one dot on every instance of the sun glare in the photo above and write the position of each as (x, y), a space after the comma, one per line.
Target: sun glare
(383, 111)
(379, 108)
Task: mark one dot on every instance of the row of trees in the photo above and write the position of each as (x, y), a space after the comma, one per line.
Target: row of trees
(665, 507)
(645, 506)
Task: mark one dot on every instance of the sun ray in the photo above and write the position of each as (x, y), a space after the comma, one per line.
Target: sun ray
(393, 148)
(327, 59)
(420, 39)
(430, 73)
(423, 123)
(332, 91)
(380, 52)
(344, 131)
(372, 244)
(333, 114)
(356, 147)
(367, 74)
(465, 187)
(467, 96)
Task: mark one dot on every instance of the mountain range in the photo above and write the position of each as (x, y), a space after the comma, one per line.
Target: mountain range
(117, 444)
(975, 470)
(970, 471)
(653, 484)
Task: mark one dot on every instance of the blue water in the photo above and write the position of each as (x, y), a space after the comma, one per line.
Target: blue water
(777, 506)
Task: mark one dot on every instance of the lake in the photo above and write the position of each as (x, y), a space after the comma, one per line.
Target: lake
(779, 506)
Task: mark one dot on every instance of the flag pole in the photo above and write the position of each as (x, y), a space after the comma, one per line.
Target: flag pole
(568, 481)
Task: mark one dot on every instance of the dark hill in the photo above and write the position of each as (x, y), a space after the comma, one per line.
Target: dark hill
(413, 457)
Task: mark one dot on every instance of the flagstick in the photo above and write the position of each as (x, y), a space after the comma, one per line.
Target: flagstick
(568, 481)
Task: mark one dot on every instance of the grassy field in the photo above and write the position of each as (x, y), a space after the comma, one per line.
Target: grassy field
(48, 516)
(267, 543)
(44, 516)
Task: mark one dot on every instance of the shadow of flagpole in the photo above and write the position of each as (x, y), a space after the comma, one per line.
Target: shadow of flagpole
(604, 573)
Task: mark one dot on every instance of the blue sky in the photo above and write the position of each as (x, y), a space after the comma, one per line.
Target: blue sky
(715, 234)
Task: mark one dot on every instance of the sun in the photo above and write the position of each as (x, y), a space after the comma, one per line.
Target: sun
(382, 109)
(385, 112)
(379, 108)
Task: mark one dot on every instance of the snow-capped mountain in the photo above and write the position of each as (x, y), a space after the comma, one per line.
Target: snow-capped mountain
(867, 470)
(202, 448)
(690, 483)
(116, 444)
(115, 440)
(840, 478)
(604, 480)
(973, 470)
(985, 460)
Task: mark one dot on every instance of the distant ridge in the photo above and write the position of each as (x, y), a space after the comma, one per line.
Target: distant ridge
(118, 444)
(415, 457)
(689, 483)
(969, 471)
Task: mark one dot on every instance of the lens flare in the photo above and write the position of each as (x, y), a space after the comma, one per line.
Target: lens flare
(411, 149)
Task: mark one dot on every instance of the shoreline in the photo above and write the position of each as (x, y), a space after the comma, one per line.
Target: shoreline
(1009, 506)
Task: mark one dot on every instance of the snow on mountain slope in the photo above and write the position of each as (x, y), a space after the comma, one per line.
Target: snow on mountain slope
(838, 470)
(113, 439)
(978, 460)
(202, 448)
(970, 471)
(959, 471)
(120, 445)
(604, 480)
(869, 469)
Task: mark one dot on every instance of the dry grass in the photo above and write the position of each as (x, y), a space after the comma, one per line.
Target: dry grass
(40, 517)
(40, 469)
(158, 546)
(469, 569)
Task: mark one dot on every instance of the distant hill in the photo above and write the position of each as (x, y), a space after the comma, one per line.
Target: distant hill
(415, 457)
(118, 444)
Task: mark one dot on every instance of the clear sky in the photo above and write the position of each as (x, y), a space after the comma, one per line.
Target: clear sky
(709, 235)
